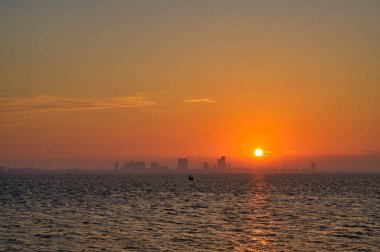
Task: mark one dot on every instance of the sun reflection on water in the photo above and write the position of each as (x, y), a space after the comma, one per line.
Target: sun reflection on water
(262, 227)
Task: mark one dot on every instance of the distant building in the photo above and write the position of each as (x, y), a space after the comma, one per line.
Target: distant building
(116, 166)
(154, 166)
(139, 165)
(2, 169)
(206, 166)
(313, 167)
(183, 164)
(164, 168)
(134, 165)
(23, 170)
(221, 163)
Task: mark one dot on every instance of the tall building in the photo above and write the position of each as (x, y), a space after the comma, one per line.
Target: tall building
(313, 167)
(183, 164)
(154, 166)
(206, 166)
(221, 163)
(116, 166)
(139, 165)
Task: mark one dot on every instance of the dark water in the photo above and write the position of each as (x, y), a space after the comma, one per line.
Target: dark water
(170, 213)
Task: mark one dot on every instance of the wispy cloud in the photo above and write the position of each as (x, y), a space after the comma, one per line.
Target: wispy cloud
(197, 100)
(45, 103)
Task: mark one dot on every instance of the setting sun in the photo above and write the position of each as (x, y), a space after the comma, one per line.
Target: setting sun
(258, 152)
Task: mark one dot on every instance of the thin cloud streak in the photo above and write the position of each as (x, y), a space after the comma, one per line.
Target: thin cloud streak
(47, 103)
(198, 100)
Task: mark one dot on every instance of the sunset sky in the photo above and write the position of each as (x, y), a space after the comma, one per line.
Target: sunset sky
(189, 78)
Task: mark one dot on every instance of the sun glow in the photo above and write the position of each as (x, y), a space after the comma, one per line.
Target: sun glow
(258, 152)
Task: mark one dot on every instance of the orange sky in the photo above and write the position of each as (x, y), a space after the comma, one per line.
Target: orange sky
(189, 78)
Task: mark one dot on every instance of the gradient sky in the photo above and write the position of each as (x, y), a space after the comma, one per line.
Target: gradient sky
(176, 78)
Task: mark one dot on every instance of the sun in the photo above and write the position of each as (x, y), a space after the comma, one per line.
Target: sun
(258, 152)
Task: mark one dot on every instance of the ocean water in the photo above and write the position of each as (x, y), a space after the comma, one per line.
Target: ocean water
(171, 213)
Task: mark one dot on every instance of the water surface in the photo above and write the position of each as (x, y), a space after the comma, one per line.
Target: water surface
(170, 213)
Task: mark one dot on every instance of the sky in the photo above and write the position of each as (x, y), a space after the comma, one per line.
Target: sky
(188, 78)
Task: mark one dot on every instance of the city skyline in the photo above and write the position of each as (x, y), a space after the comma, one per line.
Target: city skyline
(220, 164)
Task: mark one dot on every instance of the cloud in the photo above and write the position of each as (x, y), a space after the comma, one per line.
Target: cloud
(46, 103)
(197, 100)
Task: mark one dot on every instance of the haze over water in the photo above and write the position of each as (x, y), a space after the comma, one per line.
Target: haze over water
(169, 213)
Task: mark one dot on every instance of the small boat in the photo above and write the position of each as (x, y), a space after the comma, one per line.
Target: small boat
(191, 177)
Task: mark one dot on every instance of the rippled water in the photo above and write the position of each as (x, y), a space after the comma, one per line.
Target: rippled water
(170, 213)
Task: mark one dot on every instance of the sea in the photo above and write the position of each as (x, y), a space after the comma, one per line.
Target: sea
(215, 212)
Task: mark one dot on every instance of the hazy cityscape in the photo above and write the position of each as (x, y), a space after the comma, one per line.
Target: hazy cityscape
(183, 165)
(219, 165)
